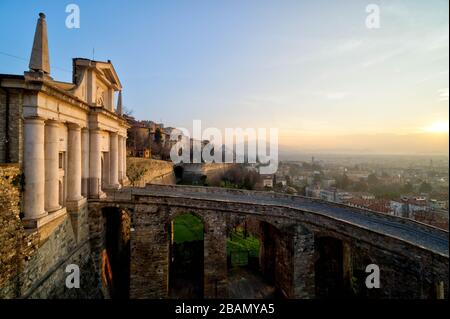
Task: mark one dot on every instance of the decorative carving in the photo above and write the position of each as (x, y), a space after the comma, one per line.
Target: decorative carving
(100, 96)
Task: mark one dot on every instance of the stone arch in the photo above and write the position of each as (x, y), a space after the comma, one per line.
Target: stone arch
(285, 258)
(178, 170)
(116, 251)
(329, 266)
(186, 231)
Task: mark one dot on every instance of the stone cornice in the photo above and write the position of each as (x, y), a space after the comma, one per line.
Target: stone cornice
(110, 114)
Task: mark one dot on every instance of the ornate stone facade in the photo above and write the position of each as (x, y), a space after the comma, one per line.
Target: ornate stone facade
(68, 137)
(60, 145)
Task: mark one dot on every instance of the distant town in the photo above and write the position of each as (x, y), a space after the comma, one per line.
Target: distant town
(414, 187)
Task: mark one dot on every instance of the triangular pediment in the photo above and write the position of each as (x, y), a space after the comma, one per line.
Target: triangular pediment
(109, 73)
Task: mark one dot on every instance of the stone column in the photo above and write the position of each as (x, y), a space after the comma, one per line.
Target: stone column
(215, 255)
(124, 160)
(85, 162)
(120, 158)
(74, 163)
(303, 263)
(113, 160)
(34, 168)
(52, 200)
(95, 164)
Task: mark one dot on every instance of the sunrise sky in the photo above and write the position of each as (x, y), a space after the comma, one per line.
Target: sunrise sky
(311, 68)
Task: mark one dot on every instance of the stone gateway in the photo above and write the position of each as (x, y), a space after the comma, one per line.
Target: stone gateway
(67, 210)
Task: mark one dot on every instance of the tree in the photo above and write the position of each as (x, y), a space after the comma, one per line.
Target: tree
(425, 187)
(343, 181)
(135, 173)
(360, 186)
(127, 111)
(237, 177)
(408, 188)
(158, 136)
(372, 179)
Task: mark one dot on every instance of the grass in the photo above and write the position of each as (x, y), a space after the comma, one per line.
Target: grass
(187, 227)
(237, 242)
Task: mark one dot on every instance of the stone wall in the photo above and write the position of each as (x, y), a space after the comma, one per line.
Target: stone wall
(33, 262)
(157, 172)
(409, 276)
(210, 172)
(12, 123)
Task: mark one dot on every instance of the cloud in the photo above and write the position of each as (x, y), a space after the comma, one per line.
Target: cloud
(381, 58)
(443, 95)
(347, 46)
(336, 95)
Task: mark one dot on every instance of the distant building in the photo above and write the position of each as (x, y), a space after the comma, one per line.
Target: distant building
(333, 195)
(328, 182)
(298, 180)
(408, 206)
(267, 181)
(398, 208)
(313, 191)
(435, 204)
(378, 205)
(328, 194)
(280, 179)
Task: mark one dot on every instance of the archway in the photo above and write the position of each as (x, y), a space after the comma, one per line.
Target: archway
(251, 259)
(178, 171)
(116, 256)
(186, 256)
(329, 271)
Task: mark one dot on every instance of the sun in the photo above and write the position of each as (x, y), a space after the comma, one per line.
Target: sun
(437, 127)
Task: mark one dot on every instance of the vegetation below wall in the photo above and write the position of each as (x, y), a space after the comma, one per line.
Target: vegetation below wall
(239, 241)
(187, 228)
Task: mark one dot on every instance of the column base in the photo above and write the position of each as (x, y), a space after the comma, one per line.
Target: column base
(45, 218)
(125, 181)
(75, 204)
(53, 209)
(114, 186)
(32, 222)
(98, 196)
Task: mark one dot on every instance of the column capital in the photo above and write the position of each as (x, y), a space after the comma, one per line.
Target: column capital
(52, 122)
(73, 126)
(34, 119)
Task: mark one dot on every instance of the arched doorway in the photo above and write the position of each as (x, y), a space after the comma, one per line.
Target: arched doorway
(251, 259)
(186, 256)
(178, 171)
(329, 271)
(116, 255)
